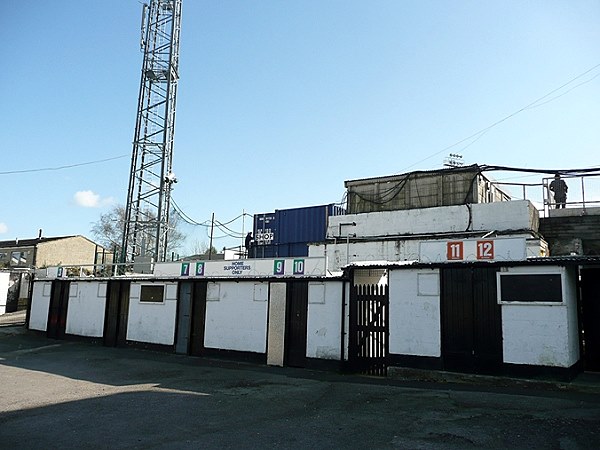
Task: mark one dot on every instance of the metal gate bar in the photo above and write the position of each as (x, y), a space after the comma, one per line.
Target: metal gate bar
(368, 344)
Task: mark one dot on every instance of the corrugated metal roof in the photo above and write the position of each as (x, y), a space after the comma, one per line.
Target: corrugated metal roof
(574, 260)
(31, 242)
(471, 168)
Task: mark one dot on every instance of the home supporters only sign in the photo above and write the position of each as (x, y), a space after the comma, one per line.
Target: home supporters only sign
(241, 268)
(460, 250)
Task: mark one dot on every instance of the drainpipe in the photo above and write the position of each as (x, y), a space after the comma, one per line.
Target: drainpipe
(343, 323)
(341, 224)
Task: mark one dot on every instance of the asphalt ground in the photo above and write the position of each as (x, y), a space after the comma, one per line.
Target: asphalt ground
(69, 394)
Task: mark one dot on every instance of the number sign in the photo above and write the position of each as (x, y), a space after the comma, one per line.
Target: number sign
(485, 249)
(298, 267)
(454, 251)
(279, 267)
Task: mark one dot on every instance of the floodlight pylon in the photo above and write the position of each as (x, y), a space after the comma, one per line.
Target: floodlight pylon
(151, 179)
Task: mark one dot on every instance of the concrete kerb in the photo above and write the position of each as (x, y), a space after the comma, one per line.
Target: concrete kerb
(13, 323)
(586, 382)
(13, 318)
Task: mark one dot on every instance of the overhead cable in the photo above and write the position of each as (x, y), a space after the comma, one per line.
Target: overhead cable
(46, 169)
(531, 105)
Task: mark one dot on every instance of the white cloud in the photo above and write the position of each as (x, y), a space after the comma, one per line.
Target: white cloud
(3, 228)
(108, 201)
(89, 199)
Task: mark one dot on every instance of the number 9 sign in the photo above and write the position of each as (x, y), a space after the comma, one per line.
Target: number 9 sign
(279, 267)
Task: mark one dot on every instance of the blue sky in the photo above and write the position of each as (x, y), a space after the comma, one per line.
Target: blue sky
(280, 102)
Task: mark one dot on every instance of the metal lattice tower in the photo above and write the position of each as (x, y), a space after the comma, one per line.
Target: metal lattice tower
(151, 178)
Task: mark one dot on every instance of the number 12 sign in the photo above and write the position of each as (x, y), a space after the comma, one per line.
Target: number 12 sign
(485, 249)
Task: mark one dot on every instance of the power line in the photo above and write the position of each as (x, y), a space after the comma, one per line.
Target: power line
(228, 232)
(46, 169)
(531, 105)
(187, 218)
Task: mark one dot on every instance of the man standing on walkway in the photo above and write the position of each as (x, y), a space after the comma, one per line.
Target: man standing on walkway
(248, 244)
(560, 188)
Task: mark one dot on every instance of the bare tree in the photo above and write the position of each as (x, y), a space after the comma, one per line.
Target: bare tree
(200, 248)
(108, 230)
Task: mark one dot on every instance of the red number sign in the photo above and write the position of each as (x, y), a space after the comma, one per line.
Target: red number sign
(454, 251)
(485, 249)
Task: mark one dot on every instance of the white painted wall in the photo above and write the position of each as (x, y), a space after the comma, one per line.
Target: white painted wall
(276, 337)
(499, 216)
(337, 254)
(4, 281)
(570, 288)
(542, 334)
(40, 302)
(152, 322)
(324, 326)
(87, 306)
(415, 312)
(401, 250)
(236, 316)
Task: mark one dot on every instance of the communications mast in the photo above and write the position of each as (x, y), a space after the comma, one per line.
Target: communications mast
(151, 179)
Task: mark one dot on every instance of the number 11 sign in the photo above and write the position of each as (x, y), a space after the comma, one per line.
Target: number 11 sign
(454, 251)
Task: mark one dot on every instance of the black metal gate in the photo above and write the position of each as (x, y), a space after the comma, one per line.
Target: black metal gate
(116, 313)
(368, 343)
(57, 311)
(471, 320)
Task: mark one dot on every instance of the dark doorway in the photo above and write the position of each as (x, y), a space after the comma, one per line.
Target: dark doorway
(368, 344)
(191, 314)
(590, 318)
(57, 312)
(471, 320)
(296, 312)
(117, 313)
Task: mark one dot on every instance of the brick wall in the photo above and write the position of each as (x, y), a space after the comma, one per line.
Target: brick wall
(70, 250)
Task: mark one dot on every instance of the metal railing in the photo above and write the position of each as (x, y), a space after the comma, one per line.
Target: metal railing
(86, 270)
(583, 192)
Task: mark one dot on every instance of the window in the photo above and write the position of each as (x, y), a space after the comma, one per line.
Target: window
(531, 288)
(17, 258)
(152, 293)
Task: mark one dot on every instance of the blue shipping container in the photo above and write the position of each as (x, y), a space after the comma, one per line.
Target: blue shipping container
(287, 232)
(279, 251)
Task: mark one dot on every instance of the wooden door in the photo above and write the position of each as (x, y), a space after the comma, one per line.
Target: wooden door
(191, 315)
(471, 320)
(590, 318)
(57, 311)
(296, 323)
(116, 313)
